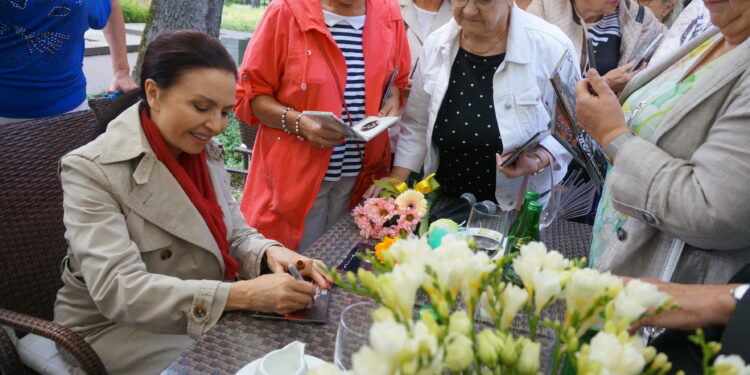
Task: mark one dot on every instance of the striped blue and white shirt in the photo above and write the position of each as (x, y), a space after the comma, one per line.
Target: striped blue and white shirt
(606, 37)
(346, 160)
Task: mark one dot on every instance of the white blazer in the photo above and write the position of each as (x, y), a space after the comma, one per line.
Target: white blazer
(520, 85)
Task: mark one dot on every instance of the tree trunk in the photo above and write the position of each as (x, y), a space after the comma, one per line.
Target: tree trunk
(202, 15)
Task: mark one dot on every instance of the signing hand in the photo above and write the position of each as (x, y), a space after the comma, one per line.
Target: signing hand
(279, 258)
(318, 135)
(619, 77)
(121, 81)
(278, 293)
(701, 306)
(597, 109)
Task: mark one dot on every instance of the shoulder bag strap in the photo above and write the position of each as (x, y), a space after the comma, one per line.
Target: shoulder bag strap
(335, 77)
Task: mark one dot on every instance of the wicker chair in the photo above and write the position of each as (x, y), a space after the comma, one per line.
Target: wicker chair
(32, 232)
(247, 134)
(99, 105)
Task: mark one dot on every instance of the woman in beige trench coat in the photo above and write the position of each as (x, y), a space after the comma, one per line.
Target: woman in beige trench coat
(146, 271)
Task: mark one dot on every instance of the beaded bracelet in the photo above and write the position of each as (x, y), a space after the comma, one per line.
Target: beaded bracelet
(283, 120)
(296, 128)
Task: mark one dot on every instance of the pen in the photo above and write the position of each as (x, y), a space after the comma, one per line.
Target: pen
(387, 92)
(414, 70)
(293, 270)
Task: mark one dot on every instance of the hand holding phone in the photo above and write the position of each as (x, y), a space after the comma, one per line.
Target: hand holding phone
(526, 146)
(647, 54)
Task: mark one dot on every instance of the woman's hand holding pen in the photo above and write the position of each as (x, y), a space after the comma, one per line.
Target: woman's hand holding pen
(278, 292)
(390, 107)
(279, 258)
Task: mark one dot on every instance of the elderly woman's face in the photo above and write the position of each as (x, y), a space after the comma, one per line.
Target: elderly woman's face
(481, 16)
(660, 8)
(732, 14)
(597, 7)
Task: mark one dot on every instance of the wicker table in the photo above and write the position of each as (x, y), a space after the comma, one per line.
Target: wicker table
(238, 338)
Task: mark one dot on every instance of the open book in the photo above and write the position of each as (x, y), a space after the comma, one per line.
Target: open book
(364, 130)
(564, 127)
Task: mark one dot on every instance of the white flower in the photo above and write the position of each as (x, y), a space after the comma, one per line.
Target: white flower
(398, 288)
(412, 250)
(730, 365)
(617, 355)
(458, 268)
(460, 322)
(582, 291)
(513, 298)
(459, 352)
(412, 199)
(388, 338)
(547, 284)
(554, 261)
(534, 258)
(327, 369)
(529, 261)
(528, 363)
(635, 300)
(425, 342)
(367, 362)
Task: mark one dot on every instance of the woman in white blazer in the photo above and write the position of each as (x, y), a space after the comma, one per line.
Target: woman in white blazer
(478, 93)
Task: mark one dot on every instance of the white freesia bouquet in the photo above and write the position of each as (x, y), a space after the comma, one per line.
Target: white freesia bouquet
(463, 284)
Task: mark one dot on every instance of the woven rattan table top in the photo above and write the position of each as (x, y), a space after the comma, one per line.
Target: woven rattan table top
(238, 338)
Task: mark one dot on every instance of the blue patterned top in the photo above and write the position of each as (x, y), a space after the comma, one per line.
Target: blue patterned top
(41, 54)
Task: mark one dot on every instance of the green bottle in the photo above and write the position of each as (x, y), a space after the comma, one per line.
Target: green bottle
(526, 231)
(529, 196)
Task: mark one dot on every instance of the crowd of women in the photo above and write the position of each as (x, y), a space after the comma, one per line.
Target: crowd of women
(158, 248)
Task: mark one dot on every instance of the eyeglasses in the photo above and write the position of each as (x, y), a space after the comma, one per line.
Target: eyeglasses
(483, 4)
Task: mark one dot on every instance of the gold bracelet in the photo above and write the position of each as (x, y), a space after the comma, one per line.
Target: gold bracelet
(539, 163)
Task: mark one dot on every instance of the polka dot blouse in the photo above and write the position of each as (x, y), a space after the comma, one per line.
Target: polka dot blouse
(466, 134)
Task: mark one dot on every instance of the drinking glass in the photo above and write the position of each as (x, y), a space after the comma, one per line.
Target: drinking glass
(353, 332)
(549, 213)
(488, 224)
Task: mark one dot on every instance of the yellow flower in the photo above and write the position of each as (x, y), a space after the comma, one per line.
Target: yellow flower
(382, 246)
(412, 199)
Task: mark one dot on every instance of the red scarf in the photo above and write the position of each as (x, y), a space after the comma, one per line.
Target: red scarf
(191, 172)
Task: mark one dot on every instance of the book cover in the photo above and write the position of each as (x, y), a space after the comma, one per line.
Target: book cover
(565, 129)
(314, 313)
(364, 130)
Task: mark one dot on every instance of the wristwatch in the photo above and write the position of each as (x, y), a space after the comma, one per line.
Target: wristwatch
(739, 292)
(611, 150)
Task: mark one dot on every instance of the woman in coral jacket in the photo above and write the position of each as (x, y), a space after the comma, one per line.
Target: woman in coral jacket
(328, 55)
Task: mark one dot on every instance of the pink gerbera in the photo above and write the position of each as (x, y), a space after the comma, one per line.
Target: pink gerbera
(408, 219)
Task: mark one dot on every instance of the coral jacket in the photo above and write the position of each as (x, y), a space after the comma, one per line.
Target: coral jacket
(284, 61)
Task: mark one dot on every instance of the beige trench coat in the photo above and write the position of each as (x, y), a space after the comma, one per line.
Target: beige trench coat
(143, 273)
(636, 36)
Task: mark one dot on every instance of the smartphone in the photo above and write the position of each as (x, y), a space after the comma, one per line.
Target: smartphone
(590, 53)
(526, 146)
(647, 54)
